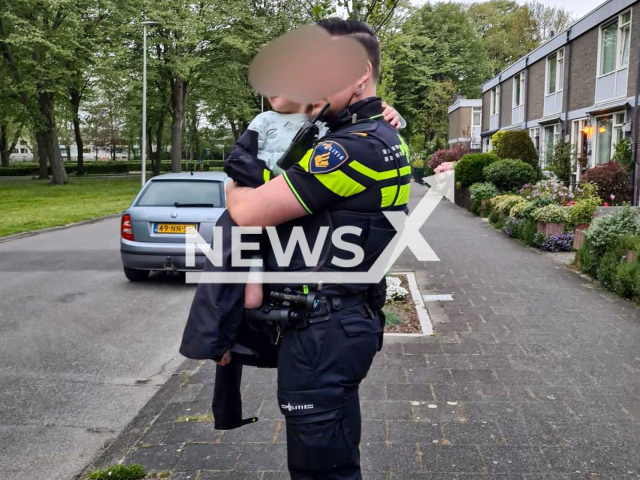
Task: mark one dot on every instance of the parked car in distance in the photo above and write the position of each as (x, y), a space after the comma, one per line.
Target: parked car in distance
(153, 229)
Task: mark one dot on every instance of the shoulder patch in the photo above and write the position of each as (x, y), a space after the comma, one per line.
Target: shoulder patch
(327, 156)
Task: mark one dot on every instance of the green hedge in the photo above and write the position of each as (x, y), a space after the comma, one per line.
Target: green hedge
(517, 144)
(469, 169)
(510, 175)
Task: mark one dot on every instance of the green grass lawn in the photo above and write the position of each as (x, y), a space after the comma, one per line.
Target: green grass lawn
(27, 205)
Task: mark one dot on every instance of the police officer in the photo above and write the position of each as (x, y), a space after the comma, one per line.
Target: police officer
(350, 177)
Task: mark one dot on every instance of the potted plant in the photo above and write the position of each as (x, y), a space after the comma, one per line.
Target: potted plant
(551, 219)
(417, 168)
(580, 216)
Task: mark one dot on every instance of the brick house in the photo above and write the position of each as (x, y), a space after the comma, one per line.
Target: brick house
(465, 116)
(580, 86)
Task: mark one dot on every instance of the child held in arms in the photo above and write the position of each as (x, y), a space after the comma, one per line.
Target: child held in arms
(275, 130)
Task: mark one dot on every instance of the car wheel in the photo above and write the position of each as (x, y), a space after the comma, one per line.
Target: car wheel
(136, 275)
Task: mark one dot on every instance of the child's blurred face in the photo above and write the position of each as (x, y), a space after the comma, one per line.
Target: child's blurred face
(284, 105)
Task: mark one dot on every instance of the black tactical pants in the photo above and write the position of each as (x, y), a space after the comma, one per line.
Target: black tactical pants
(320, 369)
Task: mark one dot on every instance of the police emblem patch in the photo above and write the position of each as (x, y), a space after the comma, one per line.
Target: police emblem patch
(327, 156)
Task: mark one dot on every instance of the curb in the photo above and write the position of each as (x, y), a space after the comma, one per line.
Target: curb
(18, 236)
(115, 449)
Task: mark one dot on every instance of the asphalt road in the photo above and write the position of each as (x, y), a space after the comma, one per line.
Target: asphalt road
(81, 348)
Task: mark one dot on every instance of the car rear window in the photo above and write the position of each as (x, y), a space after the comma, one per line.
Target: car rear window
(167, 193)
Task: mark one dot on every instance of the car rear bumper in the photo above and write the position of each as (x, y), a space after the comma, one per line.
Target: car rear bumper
(160, 262)
(158, 256)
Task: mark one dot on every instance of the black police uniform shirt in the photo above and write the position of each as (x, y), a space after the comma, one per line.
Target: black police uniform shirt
(353, 174)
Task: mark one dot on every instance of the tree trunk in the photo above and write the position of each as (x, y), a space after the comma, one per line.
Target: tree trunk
(158, 157)
(179, 95)
(4, 151)
(42, 155)
(6, 148)
(76, 98)
(68, 148)
(149, 157)
(50, 136)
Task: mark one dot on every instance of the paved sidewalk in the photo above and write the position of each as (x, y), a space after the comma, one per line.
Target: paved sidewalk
(534, 374)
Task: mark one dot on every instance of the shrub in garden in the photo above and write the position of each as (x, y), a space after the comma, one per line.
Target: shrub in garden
(528, 231)
(611, 178)
(625, 282)
(582, 212)
(452, 154)
(482, 191)
(560, 161)
(586, 191)
(504, 203)
(556, 191)
(606, 230)
(494, 217)
(495, 140)
(509, 175)
(551, 214)
(604, 235)
(517, 144)
(623, 154)
(469, 169)
(532, 205)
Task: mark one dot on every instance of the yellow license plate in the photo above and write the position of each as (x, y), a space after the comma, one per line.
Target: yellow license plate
(184, 228)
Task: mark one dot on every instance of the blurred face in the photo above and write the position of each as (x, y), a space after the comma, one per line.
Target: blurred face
(347, 96)
(284, 105)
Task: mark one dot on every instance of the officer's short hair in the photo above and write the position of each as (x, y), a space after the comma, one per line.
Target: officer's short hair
(361, 32)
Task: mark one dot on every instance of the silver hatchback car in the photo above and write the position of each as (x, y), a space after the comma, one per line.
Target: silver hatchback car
(154, 227)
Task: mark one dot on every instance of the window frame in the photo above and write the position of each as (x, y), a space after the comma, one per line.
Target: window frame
(518, 81)
(618, 20)
(559, 55)
(475, 110)
(536, 143)
(494, 101)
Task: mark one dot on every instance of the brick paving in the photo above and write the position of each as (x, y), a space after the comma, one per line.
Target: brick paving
(533, 374)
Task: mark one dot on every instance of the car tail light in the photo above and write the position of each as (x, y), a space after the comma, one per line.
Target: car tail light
(126, 230)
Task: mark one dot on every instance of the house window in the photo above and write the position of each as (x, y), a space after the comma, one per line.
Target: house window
(625, 38)
(551, 137)
(609, 131)
(23, 151)
(615, 43)
(534, 133)
(518, 90)
(495, 101)
(555, 72)
(476, 117)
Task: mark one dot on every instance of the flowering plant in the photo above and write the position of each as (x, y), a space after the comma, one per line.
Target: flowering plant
(551, 214)
(551, 188)
(444, 167)
(512, 227)
(395, 290)
(558, 243)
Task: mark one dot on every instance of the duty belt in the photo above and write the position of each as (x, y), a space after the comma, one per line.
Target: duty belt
(298, 310)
